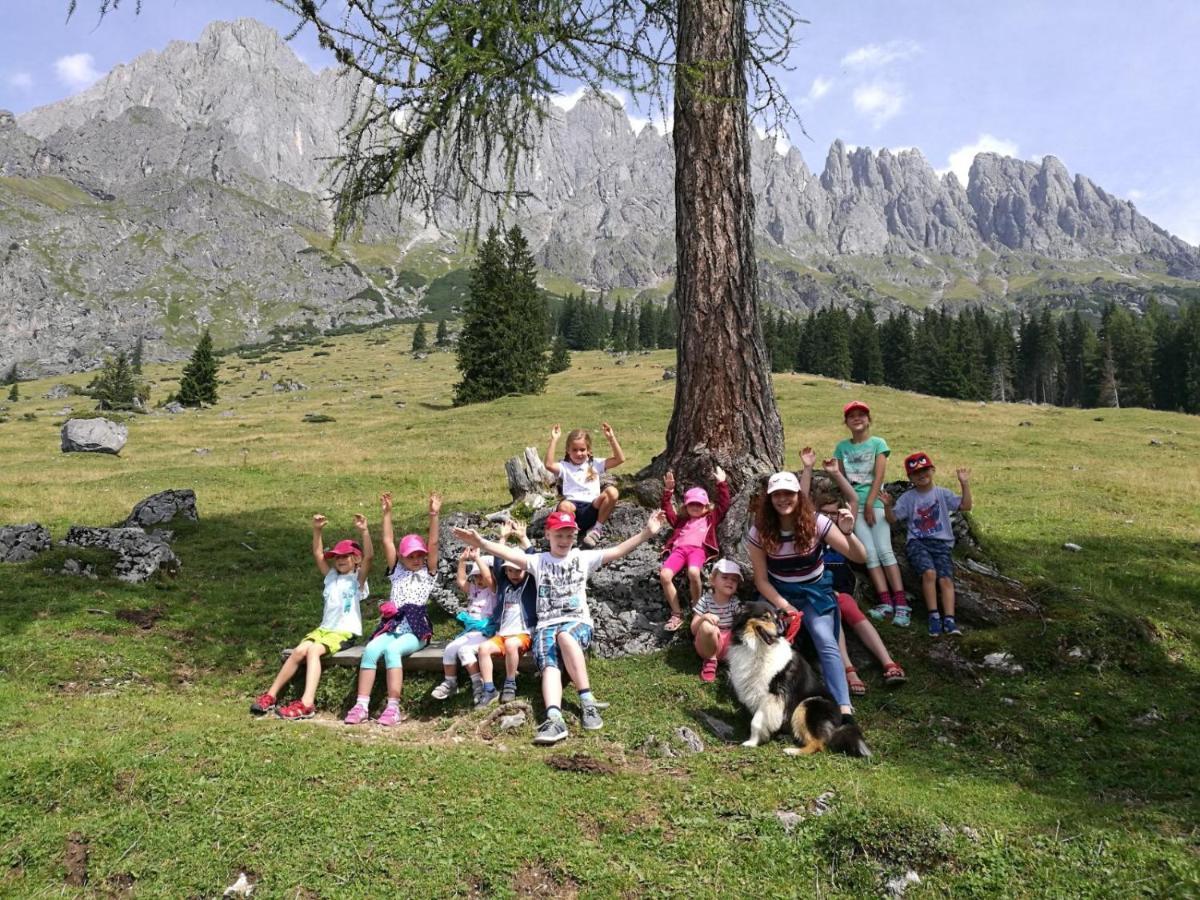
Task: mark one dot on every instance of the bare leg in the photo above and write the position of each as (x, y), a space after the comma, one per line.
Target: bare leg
(512, 658)
(289, 668)
(366, 681)
(605, 503)
(450, 671)
(708, 640)
(947, 586)
(574, 661)
(877, 580)
(667, 579)
(486, 649)
(313, 675)
(566, 506)
(395, 683)
(929, 589)
(872, 641)
(551, 687)
(694, 584)
(894, 579)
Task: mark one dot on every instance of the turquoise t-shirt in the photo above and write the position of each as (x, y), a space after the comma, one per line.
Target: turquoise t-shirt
(858, 461)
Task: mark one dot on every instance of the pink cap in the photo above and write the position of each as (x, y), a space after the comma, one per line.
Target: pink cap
(696, 495)
(344, 548)
(412, 543)
(557, 520)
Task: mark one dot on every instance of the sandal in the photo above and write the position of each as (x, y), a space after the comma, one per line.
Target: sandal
(857, 687)
(674, 622)
(893, 675)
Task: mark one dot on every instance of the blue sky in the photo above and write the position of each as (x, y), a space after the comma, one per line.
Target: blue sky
(1105, 86)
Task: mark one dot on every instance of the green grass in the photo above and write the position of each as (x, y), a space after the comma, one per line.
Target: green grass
(48, 190)
(139, 739)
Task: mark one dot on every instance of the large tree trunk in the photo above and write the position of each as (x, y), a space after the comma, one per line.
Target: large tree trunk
(725, 409)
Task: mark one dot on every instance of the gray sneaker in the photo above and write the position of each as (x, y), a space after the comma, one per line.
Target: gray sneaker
(591, 718)
(508, 693)
(486, 699)
(551, 732)
(476, 694)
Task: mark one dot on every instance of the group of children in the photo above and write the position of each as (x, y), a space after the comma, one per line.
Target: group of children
(519, 599)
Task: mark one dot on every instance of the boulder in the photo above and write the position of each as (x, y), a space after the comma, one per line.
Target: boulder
(93, 436)
(163, 507)
(58, 392)
(139, 555)
(173, 408)
(19, 543)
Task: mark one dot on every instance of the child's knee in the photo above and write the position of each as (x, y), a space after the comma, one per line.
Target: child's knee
(929, 576)
(566, 506)
(665, 576)
(316, 651)
(945, 582)
(693, 573)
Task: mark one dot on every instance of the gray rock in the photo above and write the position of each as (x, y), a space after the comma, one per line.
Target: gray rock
(79, 569)
(897, 886)
(288, 385)
(1004, 663)
(94, 436)
(202, 451)
(264, 375)
(58, 392)
(174, 408)
(1073, 548)
(668, 375)
(138, 555)
(1149, 718)
(513, 722)
(163, 507)
(689, 739)
(788, 819)
(19, 543)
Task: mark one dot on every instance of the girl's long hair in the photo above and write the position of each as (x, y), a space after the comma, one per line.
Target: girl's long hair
(767, 521)
(581, 434)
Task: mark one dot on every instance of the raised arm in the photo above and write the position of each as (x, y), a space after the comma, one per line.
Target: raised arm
(318, 546)
(808, 459)
(723, 498)
(653, 525)
(841, 537)
(845, 488)
(618, 456)
(389, 536)
(464, 558)
(364, 538)
(473, 538)
(964, 480)
(435, 509)
(551, 460)
(668, 498)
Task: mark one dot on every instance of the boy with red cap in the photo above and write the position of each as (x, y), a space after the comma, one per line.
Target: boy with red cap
(694, 540)
(926, 509)
(341, 623)
(563, 629)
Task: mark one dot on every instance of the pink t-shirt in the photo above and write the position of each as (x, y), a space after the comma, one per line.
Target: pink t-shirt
(692, 532)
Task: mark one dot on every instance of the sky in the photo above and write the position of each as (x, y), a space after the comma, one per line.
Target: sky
(1104, 85)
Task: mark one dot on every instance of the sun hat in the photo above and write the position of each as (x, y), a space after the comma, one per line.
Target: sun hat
(344, 548)
(783, 481)
(473, 570)
(915, 462)
(558, 520)
(412, 543)
(853, 405)
(508, 564)
(696, 495)
(727, 567)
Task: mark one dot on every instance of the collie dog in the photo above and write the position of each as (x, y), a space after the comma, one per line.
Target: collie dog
(775, 682)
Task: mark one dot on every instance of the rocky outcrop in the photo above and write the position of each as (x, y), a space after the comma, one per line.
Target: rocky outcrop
(19, 543)
(139, 555)
(163, 507)
(94, 436)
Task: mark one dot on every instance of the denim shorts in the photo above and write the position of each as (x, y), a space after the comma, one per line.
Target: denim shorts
(931, 553)
(545, 642)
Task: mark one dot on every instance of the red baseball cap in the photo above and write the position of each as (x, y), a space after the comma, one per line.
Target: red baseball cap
(344, 548)
(557, 520)
(915, 462)
(853, 405)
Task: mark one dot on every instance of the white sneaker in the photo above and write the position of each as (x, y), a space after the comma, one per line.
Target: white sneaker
(448, 688)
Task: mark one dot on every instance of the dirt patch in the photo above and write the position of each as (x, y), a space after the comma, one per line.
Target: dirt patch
(75, 859)
(119, 885)
(535, 879)
(142, 618)
(579, 762)
(590, 827)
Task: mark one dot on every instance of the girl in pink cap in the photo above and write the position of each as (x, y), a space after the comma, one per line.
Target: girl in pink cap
(344, 567)
(404, 624)
(694, 540)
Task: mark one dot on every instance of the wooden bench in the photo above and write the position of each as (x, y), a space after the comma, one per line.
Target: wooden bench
(427, 659)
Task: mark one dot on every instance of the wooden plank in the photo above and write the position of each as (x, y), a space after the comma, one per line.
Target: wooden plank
(427, 659)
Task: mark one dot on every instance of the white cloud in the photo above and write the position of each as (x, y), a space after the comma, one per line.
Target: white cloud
(820, 87)
(872, 56)
(1134, 194)
(960, 160)
(879, 101)
(21, 81)
(656, 119)
(76, 71)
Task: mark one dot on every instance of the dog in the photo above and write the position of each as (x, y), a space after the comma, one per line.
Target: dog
(775, 682)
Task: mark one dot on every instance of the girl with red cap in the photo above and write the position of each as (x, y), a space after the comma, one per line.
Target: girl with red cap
(345, 587)
(694, 540)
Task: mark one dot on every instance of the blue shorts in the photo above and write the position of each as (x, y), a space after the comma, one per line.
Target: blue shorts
(585, 514)
(545, 642)
(931, 553)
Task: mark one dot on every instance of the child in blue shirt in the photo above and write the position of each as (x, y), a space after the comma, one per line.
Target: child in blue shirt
(926, 509)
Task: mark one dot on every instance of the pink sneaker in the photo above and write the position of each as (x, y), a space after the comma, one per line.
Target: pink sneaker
(391, 716)
(357, 715)
(708, 671)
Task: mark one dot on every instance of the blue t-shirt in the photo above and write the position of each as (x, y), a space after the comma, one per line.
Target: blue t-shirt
(928, 512)
(858, 462)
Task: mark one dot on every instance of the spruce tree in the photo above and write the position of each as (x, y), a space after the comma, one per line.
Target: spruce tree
(419, 340)
(198, 385)
(13, 393)
(560, 356)
(866, 355)
(135, 363)
(116, 387)
(443, 334)
(13, 376)
(618, 331)
(648, 326)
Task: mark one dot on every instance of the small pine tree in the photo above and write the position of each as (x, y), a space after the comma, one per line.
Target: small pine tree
(135, 364)
(13, 394)
(13, 376)
(443, 334)
(420, 341)
(560, 356)
(116, 387)
(199, 382)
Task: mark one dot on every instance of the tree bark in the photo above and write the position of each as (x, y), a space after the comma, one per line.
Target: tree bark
(725, 409)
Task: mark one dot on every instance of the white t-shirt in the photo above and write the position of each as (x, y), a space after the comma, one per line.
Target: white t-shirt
(576, 485)
(342, 597)
(512, 616)
(409, 586)
(481, 601)
(562, 585)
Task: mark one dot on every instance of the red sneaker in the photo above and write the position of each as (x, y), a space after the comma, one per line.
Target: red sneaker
(296, 710)
(708, 671)
(263, 704)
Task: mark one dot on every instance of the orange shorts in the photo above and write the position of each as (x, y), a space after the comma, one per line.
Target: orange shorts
(498, 643)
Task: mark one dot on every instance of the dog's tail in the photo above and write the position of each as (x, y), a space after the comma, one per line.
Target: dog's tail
(818, 725)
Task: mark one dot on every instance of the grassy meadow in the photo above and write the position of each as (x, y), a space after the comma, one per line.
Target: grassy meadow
(1078, 778)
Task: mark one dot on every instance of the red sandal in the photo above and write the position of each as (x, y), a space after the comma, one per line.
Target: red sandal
(856, 685)
(893, 675)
